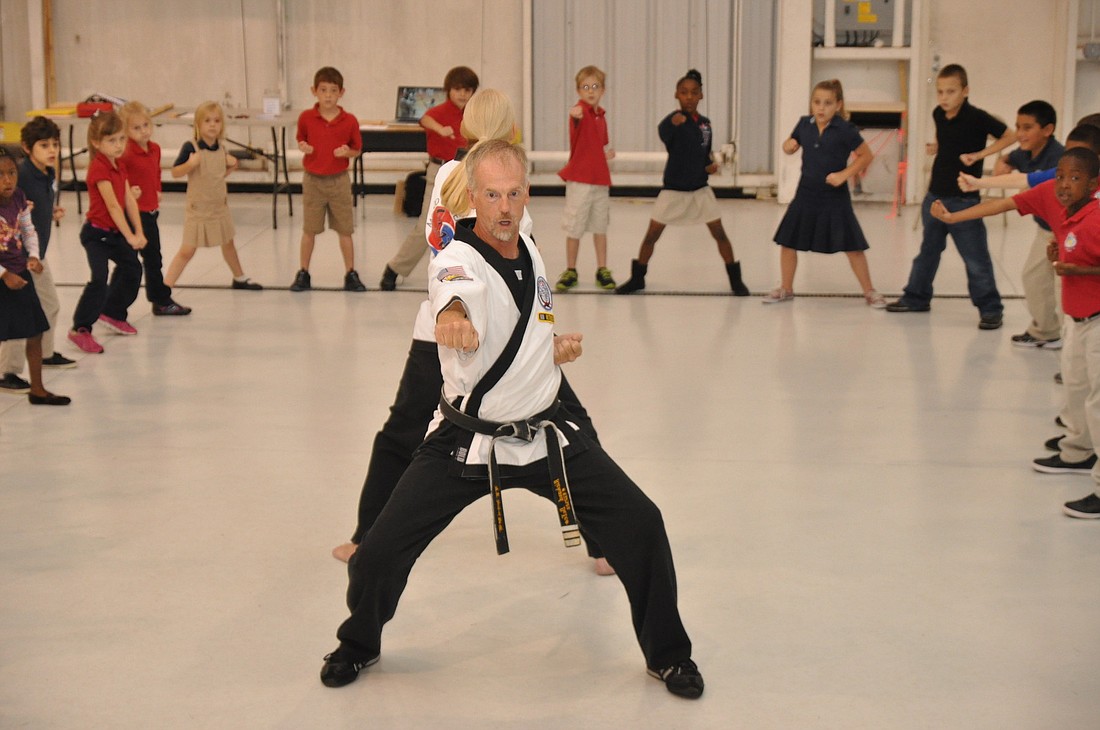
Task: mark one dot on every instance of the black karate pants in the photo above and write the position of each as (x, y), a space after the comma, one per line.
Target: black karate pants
(626, 524)
(410, 414)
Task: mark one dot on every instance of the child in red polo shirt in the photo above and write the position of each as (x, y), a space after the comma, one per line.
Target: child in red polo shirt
(329, 137)
(442, 125)
(1076, 259)
(587, 179)
(111, 233)
(142, 160)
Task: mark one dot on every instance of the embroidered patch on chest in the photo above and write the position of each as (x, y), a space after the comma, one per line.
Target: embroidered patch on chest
(1071, 242)
(705, 129)
(542, 290)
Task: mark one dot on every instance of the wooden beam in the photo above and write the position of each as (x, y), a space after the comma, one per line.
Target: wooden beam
(47, 49)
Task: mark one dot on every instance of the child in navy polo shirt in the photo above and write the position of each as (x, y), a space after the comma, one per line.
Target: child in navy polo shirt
(142, 158)
(686, 196)
(961, 132)
(821, 218)
(587, 179)
(41, 141)
(1038, 150)
(329, 137)
(21, 316)
(443, 128)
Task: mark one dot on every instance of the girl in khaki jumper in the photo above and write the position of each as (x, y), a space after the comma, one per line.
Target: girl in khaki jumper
(207, 222)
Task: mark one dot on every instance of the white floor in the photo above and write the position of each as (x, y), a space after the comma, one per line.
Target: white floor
(859, 538)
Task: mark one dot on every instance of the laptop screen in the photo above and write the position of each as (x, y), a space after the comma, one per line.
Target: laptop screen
(413, 101)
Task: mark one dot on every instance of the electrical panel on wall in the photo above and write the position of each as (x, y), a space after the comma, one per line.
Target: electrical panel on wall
(858, 23)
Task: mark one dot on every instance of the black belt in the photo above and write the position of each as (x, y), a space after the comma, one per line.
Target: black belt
(1082, 320)
(525, 430)
(437, 161)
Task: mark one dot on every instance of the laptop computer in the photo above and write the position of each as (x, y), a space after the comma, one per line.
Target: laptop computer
(413, 101)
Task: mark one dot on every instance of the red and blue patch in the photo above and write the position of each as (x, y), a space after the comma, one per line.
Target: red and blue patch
(442, 229)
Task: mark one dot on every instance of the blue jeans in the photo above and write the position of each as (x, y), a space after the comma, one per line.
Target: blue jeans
(970, 240)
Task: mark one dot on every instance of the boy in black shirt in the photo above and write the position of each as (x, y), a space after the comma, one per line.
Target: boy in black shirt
(961, 131)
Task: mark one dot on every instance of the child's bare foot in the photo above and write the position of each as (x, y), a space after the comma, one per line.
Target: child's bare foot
(344, 552)
(603, 567)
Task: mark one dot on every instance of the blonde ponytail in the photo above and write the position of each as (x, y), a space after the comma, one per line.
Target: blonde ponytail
(488, 115)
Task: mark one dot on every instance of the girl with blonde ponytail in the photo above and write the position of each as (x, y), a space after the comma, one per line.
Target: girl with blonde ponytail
(488, 115)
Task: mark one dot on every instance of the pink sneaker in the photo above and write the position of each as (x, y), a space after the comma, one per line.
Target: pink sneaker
(83, 339)
(120, 326)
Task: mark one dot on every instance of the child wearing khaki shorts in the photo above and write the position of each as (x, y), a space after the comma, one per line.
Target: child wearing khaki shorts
(329, 137)
(587, 179)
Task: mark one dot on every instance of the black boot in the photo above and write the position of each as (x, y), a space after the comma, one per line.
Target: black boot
(637, 278)
(733, 271)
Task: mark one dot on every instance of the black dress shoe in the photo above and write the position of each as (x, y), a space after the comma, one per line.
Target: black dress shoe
(990, 322)
(49, 399)
(901, 305)
(682, 679)
(342, 667)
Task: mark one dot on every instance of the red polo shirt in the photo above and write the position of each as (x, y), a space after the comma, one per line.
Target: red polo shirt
(587, 139)
(143, 167)
(326, 135)
(1081, 294)
(1040, 202)
(101, 169)
(446, 115)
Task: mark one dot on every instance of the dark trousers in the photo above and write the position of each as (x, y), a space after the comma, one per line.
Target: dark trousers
(625, 523)
(156, 291)
(99, 296)
(970, 240)
(410, 415)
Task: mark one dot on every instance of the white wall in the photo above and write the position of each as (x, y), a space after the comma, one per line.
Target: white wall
(202, 49)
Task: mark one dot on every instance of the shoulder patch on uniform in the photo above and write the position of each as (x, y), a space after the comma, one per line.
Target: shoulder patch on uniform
(443, 229)
(453, 273)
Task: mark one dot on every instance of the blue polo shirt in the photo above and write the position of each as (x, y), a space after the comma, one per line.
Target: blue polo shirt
(190, 147)
(39, 187)
(824, 152)
(688, 146)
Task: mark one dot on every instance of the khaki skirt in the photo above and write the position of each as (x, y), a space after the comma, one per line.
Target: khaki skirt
(681, 208)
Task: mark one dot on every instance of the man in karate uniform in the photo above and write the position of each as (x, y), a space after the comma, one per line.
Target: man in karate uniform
(499, 426)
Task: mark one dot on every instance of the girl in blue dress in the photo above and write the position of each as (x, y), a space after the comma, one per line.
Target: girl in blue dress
(820, 218)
